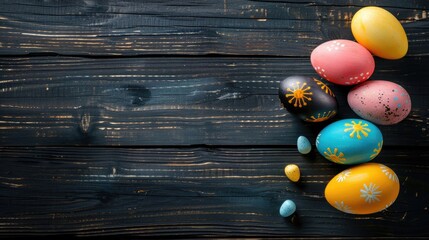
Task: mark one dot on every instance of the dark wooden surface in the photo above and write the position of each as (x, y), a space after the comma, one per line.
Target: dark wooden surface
(161, 119)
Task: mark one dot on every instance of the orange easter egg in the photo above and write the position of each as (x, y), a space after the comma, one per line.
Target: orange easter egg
(363, 189)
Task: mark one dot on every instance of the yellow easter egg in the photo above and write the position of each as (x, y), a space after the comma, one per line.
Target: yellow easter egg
(363, 189)
(380, 32)
(292, 172)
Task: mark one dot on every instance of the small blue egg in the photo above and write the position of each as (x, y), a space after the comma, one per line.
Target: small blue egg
(304, 146)
(287, 208)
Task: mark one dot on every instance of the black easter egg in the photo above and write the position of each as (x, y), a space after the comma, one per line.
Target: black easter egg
(308, 98)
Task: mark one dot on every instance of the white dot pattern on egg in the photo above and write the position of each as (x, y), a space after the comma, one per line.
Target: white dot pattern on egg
(335, 45)
(342, 62)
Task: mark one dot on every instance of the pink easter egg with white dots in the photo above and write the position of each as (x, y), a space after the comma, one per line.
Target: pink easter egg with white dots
(343, 62)
(381, 102)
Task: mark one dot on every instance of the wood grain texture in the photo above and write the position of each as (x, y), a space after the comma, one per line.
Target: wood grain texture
(161, 119)
(239, 27)
(194, 191)
(177, 101)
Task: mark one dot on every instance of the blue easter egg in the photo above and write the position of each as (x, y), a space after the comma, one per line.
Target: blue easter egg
(287, 208)
(304, 146)
(350, 141)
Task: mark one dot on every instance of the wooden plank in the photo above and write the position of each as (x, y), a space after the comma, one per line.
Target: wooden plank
(282, 28)
(194, 192)
(176, 101)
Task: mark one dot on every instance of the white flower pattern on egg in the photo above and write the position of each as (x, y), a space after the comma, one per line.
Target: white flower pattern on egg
(343, 207)
(391, 175)
(343, 175)
(370, 193)
(388, 205)
(366, 190)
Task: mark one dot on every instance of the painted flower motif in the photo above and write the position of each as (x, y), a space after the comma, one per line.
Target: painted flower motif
(324, 87)
(376, 150)
(343, 175)
(370, 193)
(389, 173)
(343, 207)
(388, 205)
(317, 140)
(321, 117)
(357, 129)
(335, 156)
(299, 95)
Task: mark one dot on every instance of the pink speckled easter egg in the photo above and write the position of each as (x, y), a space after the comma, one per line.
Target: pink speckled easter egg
(379, 101)
(343, 62)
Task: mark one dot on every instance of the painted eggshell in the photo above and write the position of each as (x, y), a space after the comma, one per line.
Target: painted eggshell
(304, 146)
(343, 62)
(287, 208)
(292, 172)
(363, 189)
(380, 32)
(350, 141)
(308, 98)
(379, 101)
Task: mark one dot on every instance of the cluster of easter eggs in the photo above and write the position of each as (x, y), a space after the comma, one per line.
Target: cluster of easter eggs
(366, 187)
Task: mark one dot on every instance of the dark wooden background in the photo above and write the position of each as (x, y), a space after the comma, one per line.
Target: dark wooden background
(161, 118)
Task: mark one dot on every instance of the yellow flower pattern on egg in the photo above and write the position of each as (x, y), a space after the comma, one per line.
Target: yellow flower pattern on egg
(307, 98)
(321, 117)
(349, 141)
(357, 128)
(299, 95)
(335, 156)
(363, 189)
(376, 150)
(324, 87)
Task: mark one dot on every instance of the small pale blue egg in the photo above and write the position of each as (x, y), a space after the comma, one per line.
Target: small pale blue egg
(304, 146)
(287, 208)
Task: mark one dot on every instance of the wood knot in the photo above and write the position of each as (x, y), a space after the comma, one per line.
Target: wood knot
(85, 122)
